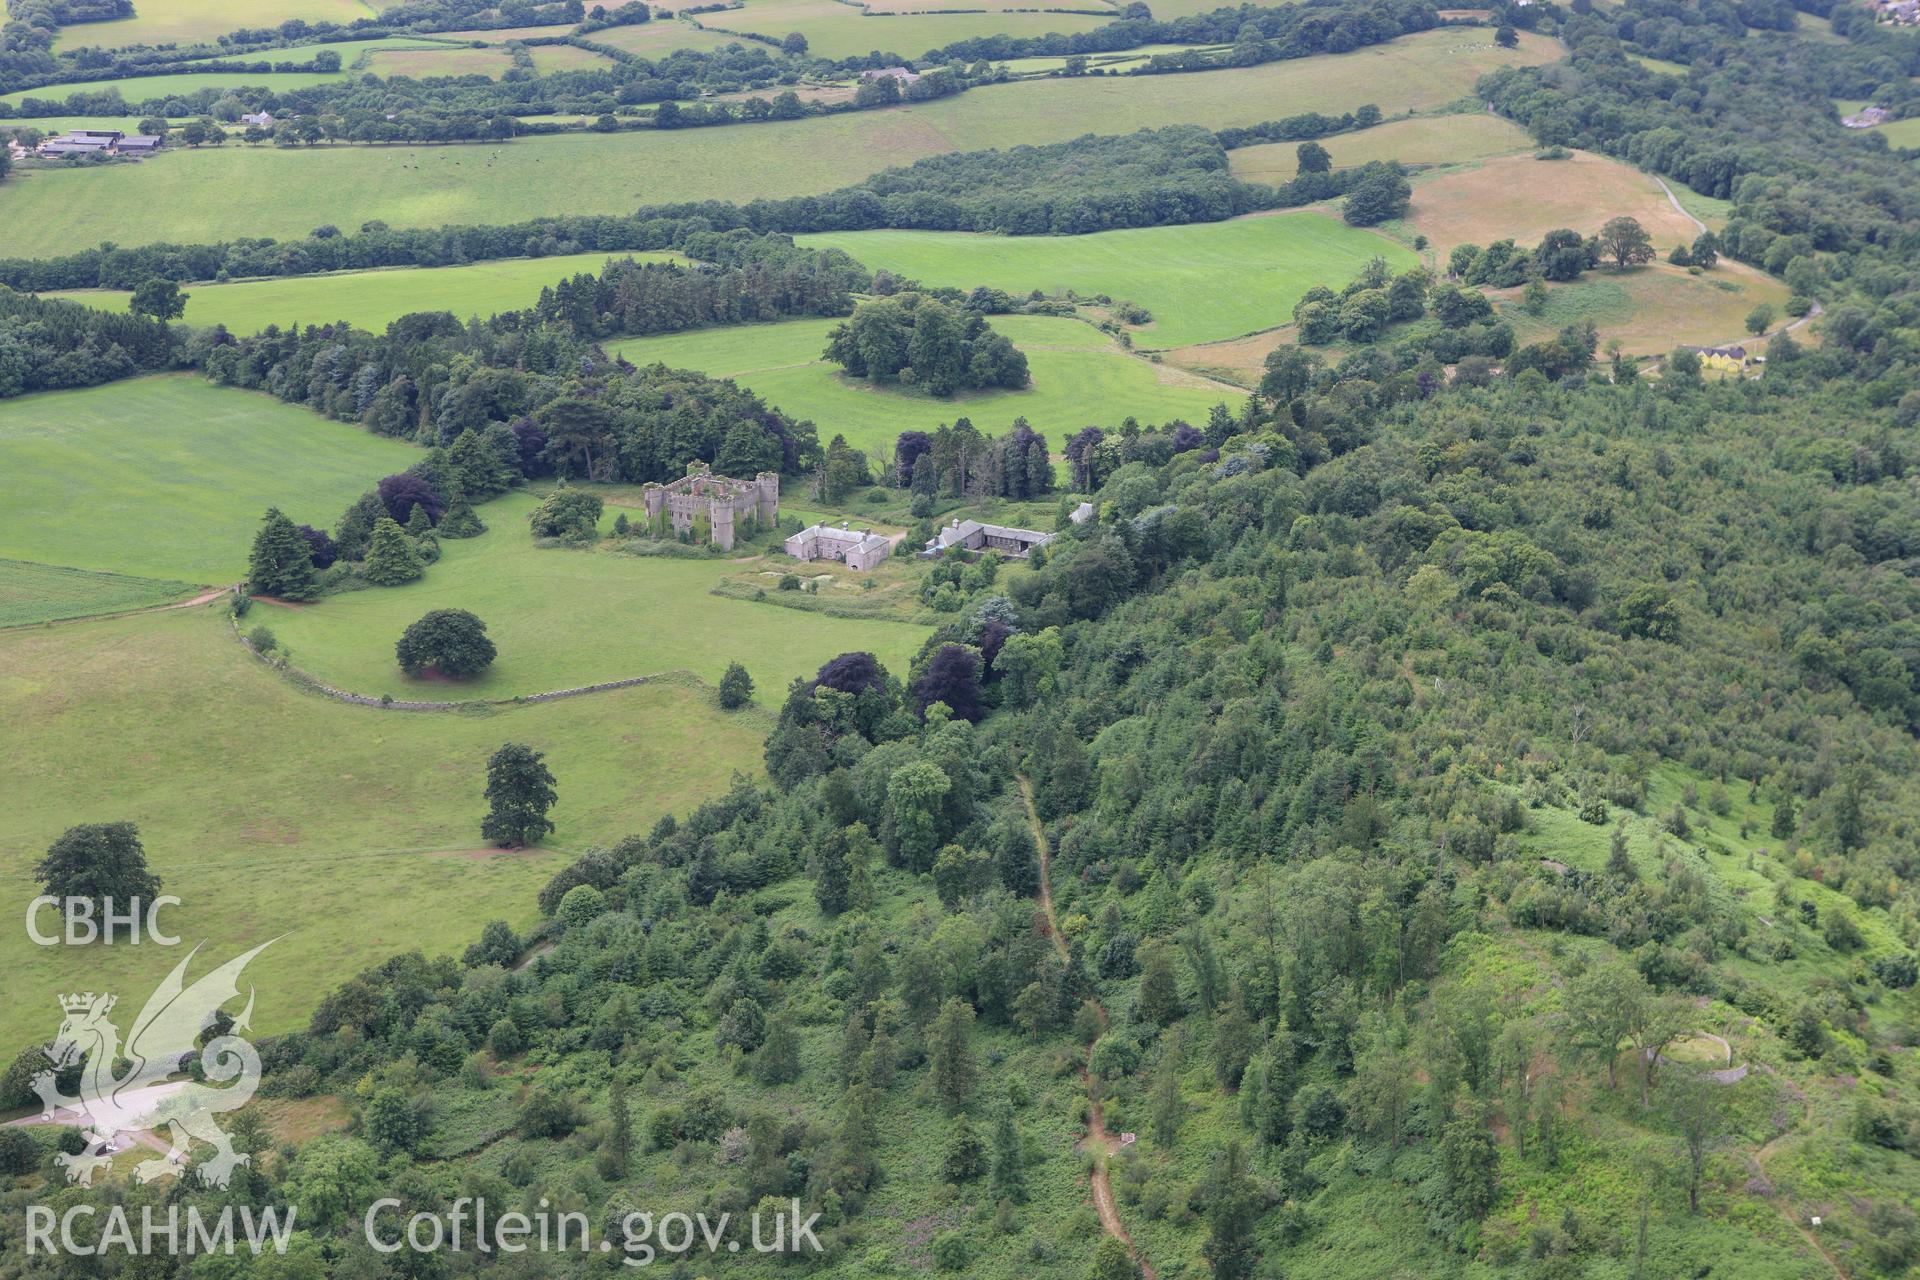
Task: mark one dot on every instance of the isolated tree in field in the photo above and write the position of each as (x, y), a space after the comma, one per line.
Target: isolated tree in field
(519, 793)
(1506, 37)
(567, 513)
(98, 860)
(391, 556)
(1760, 319)
(158, 298)
(1311, 157)
(736, 687)
(950, 1048)
(452, 641)
(281, 564)
(1626, 242)
(1706, 250)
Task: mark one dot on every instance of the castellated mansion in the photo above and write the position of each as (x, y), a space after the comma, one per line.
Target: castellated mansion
(722, 500)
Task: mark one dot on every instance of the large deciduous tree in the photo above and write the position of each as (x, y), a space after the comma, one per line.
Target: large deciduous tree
(451, 641)
(519, 794)
(98, 860)
(1626, 242)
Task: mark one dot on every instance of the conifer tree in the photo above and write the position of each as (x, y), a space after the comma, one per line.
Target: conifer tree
(1009, 1164)
(282, 561)
(620, 1135)
(778, 1060)
(392, 557)
(1232, 1208)
(460, 520)
(950, 1046)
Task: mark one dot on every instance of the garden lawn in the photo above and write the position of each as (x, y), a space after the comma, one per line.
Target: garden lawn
(1080, 378)
(1202, 282)
(187, 196)
(373, 299)
(563, 618)
(167, 476)
(352, 831)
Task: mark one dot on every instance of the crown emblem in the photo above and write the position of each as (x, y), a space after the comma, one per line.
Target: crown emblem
(83, 1003)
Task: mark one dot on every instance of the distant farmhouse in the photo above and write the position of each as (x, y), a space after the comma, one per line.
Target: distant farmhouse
(91, 142)
(720, 500)
(901, 74)
(1867, 118)
(1731, 358)
(262, 119)
(1903, 12)
(855, 548)
(971, 535)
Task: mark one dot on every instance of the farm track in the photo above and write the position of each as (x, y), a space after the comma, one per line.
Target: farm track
(205, 597)
(1098, 1140)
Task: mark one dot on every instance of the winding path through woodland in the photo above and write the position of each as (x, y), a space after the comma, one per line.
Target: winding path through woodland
(1098, 1141)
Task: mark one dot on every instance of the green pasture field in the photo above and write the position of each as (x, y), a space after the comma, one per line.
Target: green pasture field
(1202, 282)
(1419, 140)
(1119, 61)
(179, 196)
(190, 21)
(426, 63)
(836, 30)
(167, 476)
(563, 618)
(158, 88)
(354, 832)
(1080, 378)
(1662, 65)
(501, 35)
(44, 592)
(662, 36)
(372, 299)
(548, 58)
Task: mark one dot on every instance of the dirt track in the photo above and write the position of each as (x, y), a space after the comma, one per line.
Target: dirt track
(1098, 1141)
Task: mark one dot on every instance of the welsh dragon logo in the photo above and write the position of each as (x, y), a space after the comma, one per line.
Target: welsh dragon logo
(143, 1097)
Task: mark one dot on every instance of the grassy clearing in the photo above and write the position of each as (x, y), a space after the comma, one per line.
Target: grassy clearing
(1661, 65)
(269, 811)
(1522, 198)
(188, 21)
(167, 477)
(1424, 140)
(836, 30)
(1653, 309)
(178, 196)
(1079, 378)
(45, 592)
(564, 618)
(1202, 282)
(372, 299)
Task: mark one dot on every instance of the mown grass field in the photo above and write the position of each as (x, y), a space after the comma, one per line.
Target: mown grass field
(549, 58)
(447, 60)
(372, 299)
(836, 30)
(1080, 378)
(1424, 140)
(1521, 198)
(43, 592)
(167, 477)
(1202, 283)
(562, 618)
(187, 21)
(662, 36)
(353, 831)
(179, 196)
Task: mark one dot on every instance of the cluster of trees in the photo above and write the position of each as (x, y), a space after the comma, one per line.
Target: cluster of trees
(528, 393)
(926, 343)
(50, 345)
(1256, 35)
(958, 461)
(1564, 255)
